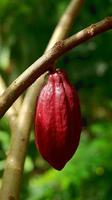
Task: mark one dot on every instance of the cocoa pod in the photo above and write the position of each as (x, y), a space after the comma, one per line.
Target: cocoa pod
(57, 120)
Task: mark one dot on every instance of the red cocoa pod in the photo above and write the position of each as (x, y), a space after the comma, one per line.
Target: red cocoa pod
(57, 120)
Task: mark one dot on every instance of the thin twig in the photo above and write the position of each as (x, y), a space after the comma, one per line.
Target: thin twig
(44, 62)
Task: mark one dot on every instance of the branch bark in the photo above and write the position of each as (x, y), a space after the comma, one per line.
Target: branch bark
(44, 62)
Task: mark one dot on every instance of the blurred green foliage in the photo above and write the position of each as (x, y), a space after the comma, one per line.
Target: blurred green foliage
(25, 29)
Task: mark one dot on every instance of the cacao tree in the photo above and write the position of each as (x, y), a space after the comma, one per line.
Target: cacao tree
(22, 106)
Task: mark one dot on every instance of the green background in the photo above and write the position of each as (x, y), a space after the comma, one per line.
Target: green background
(25, 29)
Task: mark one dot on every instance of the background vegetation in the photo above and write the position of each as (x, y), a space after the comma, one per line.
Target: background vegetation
(25, 29)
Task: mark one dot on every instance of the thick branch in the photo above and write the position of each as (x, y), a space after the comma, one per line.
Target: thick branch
(43, 63)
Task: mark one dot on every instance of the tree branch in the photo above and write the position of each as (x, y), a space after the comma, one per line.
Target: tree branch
(44, 62)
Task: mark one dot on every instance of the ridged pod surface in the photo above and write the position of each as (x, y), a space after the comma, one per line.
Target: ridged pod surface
(57, 120)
